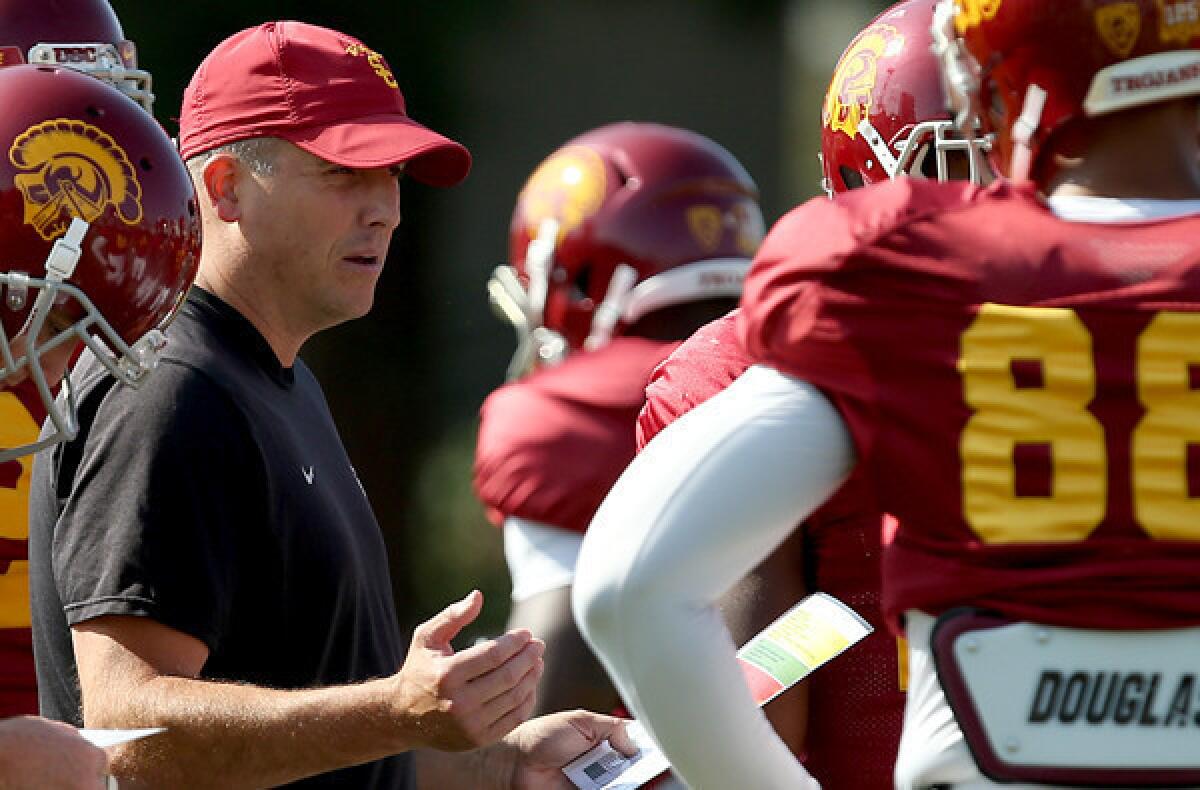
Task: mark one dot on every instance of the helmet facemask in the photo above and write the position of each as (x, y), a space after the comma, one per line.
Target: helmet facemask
(46, 331)
(523, 306)
(115, 64)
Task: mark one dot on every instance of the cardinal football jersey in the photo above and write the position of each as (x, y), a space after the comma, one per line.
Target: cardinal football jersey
(551, 445)
(1023, 393)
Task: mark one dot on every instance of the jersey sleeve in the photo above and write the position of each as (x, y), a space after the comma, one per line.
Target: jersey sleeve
(785, 316)
(547, 459)
(837, 277)
(551, 445)
(706, 363)
(153, 498)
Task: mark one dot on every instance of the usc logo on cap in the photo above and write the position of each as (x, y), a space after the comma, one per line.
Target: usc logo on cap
(376, 62)
(850, 90)
(569, 187)
(972, 13)
(71, 169)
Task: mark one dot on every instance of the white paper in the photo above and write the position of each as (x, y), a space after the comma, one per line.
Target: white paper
(106, 738)
(604, 768)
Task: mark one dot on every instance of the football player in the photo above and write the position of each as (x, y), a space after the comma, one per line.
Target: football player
(86, 36)
(1013, 368)
(623, 242)
(884, 116)
(99, 241)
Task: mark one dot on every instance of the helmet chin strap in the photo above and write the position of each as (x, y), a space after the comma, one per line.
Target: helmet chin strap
(60, 265)
(1023, 131)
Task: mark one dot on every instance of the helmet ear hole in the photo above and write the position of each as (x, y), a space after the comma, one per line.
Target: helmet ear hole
(926, 163)
(581, 286)
(851, 177)
(622, 173)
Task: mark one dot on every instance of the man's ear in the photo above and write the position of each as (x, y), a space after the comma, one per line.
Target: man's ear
(221, 180)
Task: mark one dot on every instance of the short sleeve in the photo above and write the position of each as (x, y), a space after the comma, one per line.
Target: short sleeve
(793, 310)
(155, 501)
(707, 362)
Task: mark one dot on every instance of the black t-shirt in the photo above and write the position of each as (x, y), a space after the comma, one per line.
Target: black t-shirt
(216, 499)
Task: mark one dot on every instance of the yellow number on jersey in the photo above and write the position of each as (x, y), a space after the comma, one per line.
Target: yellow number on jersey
(1006, 416)
(1055, 413)
(1166, 351)
(16, 428)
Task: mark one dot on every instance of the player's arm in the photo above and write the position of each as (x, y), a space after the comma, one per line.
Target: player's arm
(707, 500)
(135, 672)
(754, 603)
(708, 362)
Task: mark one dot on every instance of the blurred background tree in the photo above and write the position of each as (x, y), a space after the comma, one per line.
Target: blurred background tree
(512, 80)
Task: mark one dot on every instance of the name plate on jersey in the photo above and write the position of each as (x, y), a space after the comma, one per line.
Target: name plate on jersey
(1073, 706)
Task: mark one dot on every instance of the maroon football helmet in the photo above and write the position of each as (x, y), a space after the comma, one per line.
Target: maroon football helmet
(622, 221)
(885, 112)
(99, 230)
(84, 35)
(1023, 68)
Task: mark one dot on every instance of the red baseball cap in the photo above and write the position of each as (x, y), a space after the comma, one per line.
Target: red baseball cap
(319, 89)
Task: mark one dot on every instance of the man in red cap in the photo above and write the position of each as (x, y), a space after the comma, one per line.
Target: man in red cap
(238, 593)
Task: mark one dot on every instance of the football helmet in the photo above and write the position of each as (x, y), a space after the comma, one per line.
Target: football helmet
(99, 231)
(1023, 68)
(84, 35)
(885, 113)
(622, 221)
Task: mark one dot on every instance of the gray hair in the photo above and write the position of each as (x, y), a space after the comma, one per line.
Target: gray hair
(257, 153)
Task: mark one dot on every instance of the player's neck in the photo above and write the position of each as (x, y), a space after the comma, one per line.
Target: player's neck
(1150, 153)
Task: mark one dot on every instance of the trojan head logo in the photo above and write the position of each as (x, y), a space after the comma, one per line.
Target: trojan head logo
(848, 102)
(972, 13)
(1119, 25)
(376, 62)
(70, 169)
(568, 187)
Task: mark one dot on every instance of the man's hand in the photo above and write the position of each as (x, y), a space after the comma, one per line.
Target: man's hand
(464, 700)
(36, 752)
(544, 745)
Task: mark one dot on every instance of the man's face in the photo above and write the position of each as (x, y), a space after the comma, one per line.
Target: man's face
(319, 234)
(54, 363)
